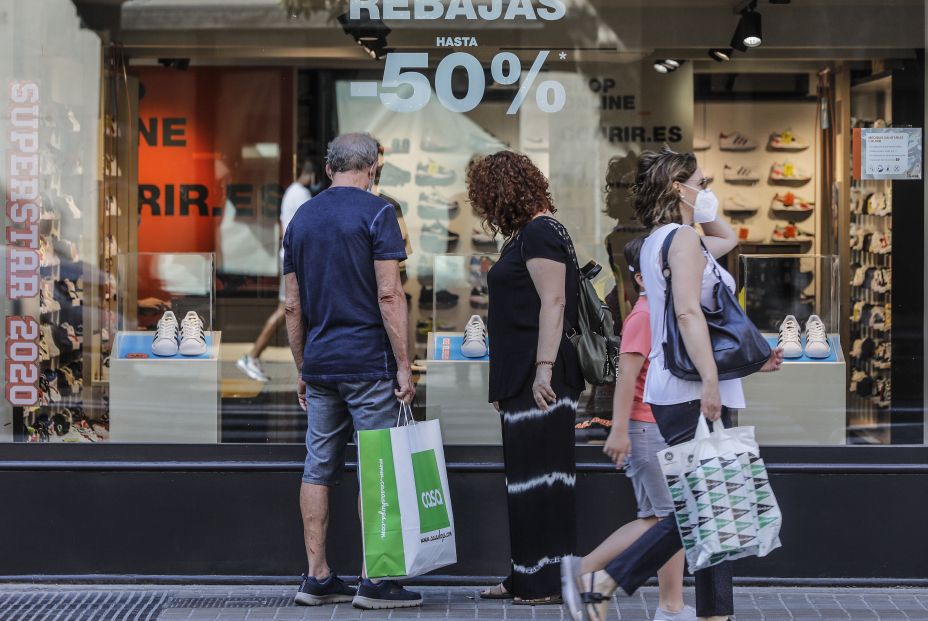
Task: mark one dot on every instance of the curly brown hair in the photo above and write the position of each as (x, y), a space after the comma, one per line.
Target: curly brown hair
(656, 200)
(506, 190)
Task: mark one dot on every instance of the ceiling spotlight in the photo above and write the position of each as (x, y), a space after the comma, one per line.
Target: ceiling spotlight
(667, 65)
(751, 28)
(720, 54)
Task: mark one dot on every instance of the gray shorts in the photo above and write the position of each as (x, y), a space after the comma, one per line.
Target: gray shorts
(645, 472)
(334, 410)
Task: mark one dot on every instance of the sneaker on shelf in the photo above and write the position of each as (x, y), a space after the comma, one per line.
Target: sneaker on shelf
(434, 206)
(877, 319)
(437, 144)
(192, 337)
(399, 145)
(445, 299)
(879, 204)
(788, 173)
(481, 239)
(166, 335)
(816, 339)
(252, 367)
(786, 141)
(881, 243)
(789, 338)
(314, 592)
(790, 234)
(392, 175)
(439, 233)
(736, 141)
(431, 173)
(479, 297)
(860, 275)
(792, 203)
(885, 281)
(738, 205)
(701, 144)
(747, 234)
(475, 338)
(384, 595)
(741, 174)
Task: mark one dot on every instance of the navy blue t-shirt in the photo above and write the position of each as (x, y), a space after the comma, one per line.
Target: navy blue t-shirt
(332, 244)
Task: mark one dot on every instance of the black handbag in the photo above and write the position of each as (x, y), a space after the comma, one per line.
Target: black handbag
(738, 346)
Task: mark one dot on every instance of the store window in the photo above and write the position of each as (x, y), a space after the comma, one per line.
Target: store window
(150, 151)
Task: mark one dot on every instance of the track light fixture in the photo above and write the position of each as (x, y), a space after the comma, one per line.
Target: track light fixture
(667, 65)
(751, 28)
(720, 54)
(370, 34)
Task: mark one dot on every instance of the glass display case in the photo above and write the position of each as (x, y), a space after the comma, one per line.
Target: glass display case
(164, 365)
(793, 300)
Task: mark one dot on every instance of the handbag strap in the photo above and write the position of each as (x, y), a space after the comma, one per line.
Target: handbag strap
(665, 261)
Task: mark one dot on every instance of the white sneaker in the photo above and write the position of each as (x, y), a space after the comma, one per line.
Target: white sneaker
(739, 205)
(165, 343)
(192, 338)
(736, 141)
(789, 173)
(687, 614)
(741, 174)
(789, 337)
(701, 144)
(816, 340)
(252, 368)
(786, 141)
(475, 338)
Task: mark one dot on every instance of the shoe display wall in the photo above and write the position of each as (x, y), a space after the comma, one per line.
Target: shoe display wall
(765, 152)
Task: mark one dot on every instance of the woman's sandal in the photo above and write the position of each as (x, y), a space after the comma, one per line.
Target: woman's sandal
(496, 592)
(551, 600)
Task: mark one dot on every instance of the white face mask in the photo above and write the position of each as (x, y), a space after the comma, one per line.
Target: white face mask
(706, 207)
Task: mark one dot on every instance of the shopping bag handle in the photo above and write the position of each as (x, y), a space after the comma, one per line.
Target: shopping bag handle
(404, 416)
(705, 427)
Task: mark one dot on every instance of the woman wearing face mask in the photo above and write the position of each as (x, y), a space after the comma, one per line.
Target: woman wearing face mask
(671, 195)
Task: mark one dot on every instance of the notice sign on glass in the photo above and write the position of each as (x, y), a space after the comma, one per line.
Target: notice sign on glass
(888, 153)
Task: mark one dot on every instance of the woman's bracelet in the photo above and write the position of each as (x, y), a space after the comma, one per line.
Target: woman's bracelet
(543, 362)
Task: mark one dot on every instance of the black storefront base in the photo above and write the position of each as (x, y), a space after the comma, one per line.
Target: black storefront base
(105, 513)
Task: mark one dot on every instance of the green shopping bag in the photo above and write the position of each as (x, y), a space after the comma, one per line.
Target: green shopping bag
(406, 518)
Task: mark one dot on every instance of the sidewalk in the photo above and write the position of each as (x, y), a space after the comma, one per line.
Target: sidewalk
(217, 603)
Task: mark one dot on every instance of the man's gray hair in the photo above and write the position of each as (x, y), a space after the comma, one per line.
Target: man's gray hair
(350, 152)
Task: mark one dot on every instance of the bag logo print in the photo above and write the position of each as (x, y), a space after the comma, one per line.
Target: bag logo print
(668, 456)
(433, 513)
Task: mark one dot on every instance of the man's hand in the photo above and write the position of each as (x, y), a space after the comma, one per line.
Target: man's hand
(774, 361)
(407, 390)
(618, 446)
(301, 393)
(711, 401)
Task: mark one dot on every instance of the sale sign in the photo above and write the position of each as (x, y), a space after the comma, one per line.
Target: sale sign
(215, 152)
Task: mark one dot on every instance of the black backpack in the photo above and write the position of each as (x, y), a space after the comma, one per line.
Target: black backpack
(594, 338)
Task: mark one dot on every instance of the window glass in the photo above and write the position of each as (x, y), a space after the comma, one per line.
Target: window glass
(154, 156)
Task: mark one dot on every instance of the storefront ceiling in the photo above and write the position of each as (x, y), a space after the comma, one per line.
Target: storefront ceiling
(607, 30)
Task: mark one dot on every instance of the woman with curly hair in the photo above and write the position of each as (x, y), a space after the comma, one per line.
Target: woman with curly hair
(535, 378)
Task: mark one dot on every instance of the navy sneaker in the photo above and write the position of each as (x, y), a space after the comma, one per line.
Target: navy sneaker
(384, 594)
(329, 591)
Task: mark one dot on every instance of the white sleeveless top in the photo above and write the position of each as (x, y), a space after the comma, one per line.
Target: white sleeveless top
(661, 386)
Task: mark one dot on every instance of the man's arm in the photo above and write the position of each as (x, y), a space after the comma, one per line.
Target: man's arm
(293, 312)
(392, 301)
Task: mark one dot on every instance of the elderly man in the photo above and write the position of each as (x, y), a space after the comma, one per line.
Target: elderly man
(347, 325)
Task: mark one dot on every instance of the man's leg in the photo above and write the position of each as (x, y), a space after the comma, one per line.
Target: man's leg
(327, 432)
(314, 506)
(270, 326)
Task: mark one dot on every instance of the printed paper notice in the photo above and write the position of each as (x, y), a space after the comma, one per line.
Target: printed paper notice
(890, 153)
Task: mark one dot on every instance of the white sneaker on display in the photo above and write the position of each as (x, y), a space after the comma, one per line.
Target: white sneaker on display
(741, 174)
(475, 338)
(192, 337)
(165, 343)
(789, 337)
(736, 141)
(816, 340)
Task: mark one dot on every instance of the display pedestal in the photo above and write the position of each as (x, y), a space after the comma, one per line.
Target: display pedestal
(163, 400)
(456, 394)
(804, 403)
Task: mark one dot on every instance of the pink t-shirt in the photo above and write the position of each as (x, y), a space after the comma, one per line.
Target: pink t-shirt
(636, 339)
